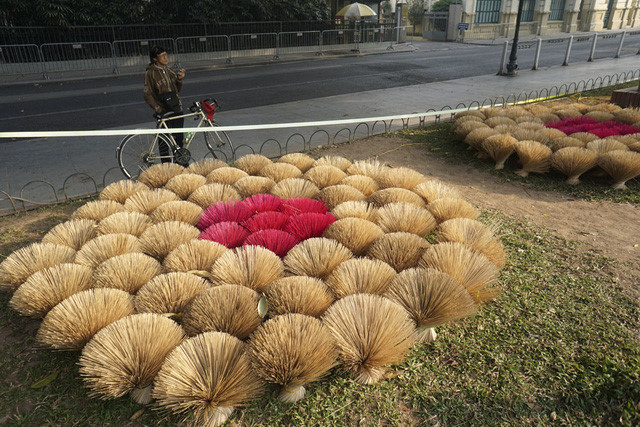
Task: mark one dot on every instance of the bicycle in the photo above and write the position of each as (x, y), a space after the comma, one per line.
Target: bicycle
(138, 152)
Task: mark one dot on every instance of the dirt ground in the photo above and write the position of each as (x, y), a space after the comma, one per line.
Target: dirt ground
(607, 228)
(610, 229)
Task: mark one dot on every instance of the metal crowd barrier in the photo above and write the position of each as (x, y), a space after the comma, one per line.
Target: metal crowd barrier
(209, 48)
(122, 54)
(339, 40)
(135, 53)
(253, 45)
(21, 58)
(59, 57)
(299, 42)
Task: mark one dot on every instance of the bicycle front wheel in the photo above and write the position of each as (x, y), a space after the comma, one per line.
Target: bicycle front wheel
(137, 153)
(219, 144)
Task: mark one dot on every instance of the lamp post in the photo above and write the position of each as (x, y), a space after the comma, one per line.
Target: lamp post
(512, 66)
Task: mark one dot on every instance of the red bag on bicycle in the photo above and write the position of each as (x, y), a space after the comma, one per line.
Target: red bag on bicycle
(209, 109)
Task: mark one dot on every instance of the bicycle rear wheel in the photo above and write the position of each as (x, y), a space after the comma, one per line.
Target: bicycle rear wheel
(137, 153)
(219, 144)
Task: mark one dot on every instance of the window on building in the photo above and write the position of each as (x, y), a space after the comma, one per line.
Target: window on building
(527, 10)
(580, 10)
(487, 11)
(557, 10)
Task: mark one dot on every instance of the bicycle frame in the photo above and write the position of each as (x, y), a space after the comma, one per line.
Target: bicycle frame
(162, 123)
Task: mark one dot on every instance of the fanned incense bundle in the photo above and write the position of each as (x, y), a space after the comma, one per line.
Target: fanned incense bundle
(209, 194)
(298, 294)
(335, 161)
(160, 239)
(182, 211)
(406, 217)
(252, 163)
(371, 333)
(98, 210)
(250, 185)
(125, 356)
(354, 233)
(316, 257)
(362, 183)
(225, 175)
(127, 272)
(46, 288)
(324, 176)
(74, 233)
(158, 175)
(21, 264)
(206, 376)
(299, 160)
(356, 209)
(472, 269)
(226, 308)
(435, 189)
(280, 171)
(185, 184)
(292, 350)
(251, 266)
(120, 191)
(196, 257)
(431, 298)
(334, 195)
(399, 250)
(146, 202)
(134, 223)
(395, 195)
(360, 276)
(72, 323)
(294, 188)
(169, 293)
(205, 166)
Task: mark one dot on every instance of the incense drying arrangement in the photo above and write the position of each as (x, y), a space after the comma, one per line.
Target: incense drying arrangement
(194, 289)
(573, 138)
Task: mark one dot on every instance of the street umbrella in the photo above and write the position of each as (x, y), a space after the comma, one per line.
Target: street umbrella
(356, 11)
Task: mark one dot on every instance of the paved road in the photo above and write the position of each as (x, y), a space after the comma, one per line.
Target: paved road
(93, 158)
(117, 101)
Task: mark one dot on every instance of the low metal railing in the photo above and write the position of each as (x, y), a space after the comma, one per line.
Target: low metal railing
(568, 41)
(83, 184)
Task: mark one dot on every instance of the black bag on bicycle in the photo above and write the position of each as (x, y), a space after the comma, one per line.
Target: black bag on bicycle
(171, 102)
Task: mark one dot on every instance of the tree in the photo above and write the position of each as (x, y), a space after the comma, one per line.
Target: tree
(416, 12)
(443, 5)
(63, 13)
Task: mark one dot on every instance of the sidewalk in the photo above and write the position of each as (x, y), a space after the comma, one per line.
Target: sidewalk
(547, 37)
(54, 160)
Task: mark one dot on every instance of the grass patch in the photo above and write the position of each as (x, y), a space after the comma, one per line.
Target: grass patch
(608, 90)
(560, 344)
(440, 141)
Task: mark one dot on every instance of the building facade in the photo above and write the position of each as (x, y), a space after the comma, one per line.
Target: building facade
(497, 18)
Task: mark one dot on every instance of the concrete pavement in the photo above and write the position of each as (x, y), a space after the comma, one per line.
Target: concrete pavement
(93, 159)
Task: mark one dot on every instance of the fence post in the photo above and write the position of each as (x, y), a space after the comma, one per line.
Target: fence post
(321, 42)
(537, 57)
(228, 49)
(277, 55)
(593, 47)
(566, 56)
(44, 69)
(624, 33)
(115, 59)
(505, 49)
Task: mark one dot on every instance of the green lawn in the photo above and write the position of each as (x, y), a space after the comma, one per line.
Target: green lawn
(560, 343)
(440, 141)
